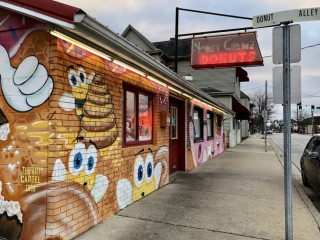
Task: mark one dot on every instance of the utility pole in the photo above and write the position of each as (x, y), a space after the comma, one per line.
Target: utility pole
(265, 117)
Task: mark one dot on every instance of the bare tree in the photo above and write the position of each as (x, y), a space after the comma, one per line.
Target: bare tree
(301, 115)
(258, 99)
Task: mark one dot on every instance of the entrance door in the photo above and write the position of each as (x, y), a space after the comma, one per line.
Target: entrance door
(176, 136)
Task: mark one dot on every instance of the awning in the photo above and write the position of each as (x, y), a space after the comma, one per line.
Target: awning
(242, 113)
(242, 75)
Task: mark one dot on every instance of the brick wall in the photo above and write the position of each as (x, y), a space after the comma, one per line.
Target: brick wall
(63, 162)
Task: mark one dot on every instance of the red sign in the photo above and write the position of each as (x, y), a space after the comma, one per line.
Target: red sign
(233, 50)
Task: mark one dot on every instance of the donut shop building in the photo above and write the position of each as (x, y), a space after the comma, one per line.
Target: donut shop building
(89, 123)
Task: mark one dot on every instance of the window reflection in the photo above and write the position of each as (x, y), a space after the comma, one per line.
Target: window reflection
(130, 117)
(145, 118)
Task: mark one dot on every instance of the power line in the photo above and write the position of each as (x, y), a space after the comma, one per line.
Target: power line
(252, 88)
(310, 46)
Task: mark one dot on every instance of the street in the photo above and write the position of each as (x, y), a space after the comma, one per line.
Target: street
(298, 143)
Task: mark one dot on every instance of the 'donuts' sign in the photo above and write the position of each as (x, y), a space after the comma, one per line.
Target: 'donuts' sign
(231, 50)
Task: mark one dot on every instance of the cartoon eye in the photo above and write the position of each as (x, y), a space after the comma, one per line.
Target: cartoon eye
(73, 78)
(76, 159)
(149, 168)
(82, 76)
(91, 160)
(138, 171)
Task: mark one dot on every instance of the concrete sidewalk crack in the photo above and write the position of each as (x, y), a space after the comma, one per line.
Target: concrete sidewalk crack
(190, 227)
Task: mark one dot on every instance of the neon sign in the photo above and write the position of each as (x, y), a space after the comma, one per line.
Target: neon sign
(233, 50)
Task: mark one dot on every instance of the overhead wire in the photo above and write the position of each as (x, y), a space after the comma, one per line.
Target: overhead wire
(310, 46)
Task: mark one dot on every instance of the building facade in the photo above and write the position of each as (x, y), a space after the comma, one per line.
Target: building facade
(89, 122)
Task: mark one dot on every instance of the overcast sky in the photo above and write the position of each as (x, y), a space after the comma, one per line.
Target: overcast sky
(156, 21)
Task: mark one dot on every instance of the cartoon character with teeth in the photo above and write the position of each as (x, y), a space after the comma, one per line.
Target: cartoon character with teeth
(82, 163)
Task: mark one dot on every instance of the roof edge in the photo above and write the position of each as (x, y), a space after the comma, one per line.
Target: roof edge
(142, 59)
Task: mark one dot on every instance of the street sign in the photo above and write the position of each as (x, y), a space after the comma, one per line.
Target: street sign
(295, 44)
(295, 86)
(296, 15)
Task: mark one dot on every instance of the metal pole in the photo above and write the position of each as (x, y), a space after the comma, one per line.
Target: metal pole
(176, 41)
(298, 117)
(312, 122)
(287, 131)
(265, 118)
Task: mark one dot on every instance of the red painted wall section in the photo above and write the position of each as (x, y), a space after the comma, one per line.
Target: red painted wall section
(62, 165)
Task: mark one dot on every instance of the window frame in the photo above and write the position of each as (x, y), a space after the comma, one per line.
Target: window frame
(200, 115)
(177, 127)
(212, 125)
(219, 121)
(137, 91)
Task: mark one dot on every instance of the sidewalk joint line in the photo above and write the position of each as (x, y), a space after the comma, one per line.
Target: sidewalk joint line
(198, 228)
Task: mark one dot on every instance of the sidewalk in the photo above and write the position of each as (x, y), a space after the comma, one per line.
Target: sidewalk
(237, 195)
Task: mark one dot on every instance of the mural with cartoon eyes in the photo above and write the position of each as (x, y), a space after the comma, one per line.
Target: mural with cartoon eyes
(147, 175)
(79, 81)
(81, 169)
(93, 103)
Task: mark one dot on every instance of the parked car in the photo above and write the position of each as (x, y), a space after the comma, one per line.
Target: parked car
(310, 164)
(269, 131)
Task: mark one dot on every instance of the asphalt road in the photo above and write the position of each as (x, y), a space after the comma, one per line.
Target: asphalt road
(298, 144)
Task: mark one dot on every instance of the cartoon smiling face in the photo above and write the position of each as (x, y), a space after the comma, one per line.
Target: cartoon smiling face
(82, 164)
(147, 175)
(79, 82)
(144, 179)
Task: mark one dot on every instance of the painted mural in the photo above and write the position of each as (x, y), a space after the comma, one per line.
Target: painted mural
(147, 174)
(208, 148)
(62, 165)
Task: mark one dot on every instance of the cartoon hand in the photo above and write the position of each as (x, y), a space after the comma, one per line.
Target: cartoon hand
(26, 87)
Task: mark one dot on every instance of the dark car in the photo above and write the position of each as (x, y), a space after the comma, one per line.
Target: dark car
(310, 164)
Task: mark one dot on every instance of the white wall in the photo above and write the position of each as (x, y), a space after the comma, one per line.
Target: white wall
(238, 131)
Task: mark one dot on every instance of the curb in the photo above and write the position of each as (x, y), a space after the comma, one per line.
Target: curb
(296, 182)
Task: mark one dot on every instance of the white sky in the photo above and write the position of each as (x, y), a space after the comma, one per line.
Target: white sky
(156, 21)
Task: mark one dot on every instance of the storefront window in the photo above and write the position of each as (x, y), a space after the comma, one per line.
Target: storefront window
(209, 125)
(198, 124)
(130, 117)
(219, 121)
(174, 123)
(138, 116)
(145, 118)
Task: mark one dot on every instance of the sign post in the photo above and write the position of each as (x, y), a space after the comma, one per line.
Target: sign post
(287, 131)
(285, 18)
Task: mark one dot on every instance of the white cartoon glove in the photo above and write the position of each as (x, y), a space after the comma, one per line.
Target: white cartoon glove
(26, 87)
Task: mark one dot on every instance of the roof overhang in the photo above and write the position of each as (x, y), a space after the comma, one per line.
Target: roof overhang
(242, 74)
(242, 113)
(92, 33)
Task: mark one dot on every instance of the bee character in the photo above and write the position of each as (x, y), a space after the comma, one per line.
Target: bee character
(81, 169)
(79, 81)
(98, 124)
